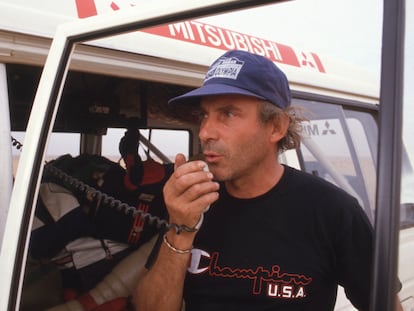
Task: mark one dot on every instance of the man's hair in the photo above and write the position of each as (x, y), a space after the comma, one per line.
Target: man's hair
(292, 139)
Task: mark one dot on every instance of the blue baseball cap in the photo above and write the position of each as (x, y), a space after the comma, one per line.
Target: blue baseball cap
(243, 73)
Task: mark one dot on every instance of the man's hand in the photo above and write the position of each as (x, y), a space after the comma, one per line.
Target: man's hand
(189, 191)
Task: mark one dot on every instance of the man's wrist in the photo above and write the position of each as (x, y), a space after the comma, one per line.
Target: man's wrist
(181, 228)
(174, 248)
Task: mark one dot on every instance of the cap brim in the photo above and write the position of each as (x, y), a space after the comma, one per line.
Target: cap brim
(194, 96)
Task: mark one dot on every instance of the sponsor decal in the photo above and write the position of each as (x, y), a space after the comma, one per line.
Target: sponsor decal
(196, 32)
(320, 128)
(225, 39)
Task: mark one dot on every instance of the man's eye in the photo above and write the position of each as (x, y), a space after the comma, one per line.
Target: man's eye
(199, 115)
(202, 115)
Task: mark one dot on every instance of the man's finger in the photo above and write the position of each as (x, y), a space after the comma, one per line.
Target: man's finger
(179, 160)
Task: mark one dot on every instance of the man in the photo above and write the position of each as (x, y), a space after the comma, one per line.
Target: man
(273, 238)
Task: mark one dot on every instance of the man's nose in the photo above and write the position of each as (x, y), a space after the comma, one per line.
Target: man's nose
(208, 129)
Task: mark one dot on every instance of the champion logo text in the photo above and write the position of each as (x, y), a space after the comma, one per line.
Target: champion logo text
(271, 281)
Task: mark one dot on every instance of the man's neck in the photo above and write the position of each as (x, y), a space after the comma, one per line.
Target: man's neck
(255, 185)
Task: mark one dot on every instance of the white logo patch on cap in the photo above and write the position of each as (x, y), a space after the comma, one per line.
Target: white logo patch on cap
(225, 67)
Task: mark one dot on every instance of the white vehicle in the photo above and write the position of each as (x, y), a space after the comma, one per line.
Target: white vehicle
(113, 83)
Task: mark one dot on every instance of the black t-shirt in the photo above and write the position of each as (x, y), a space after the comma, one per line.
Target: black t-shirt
(284, 250)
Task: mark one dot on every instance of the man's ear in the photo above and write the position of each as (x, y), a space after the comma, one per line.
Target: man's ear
(280, 124)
